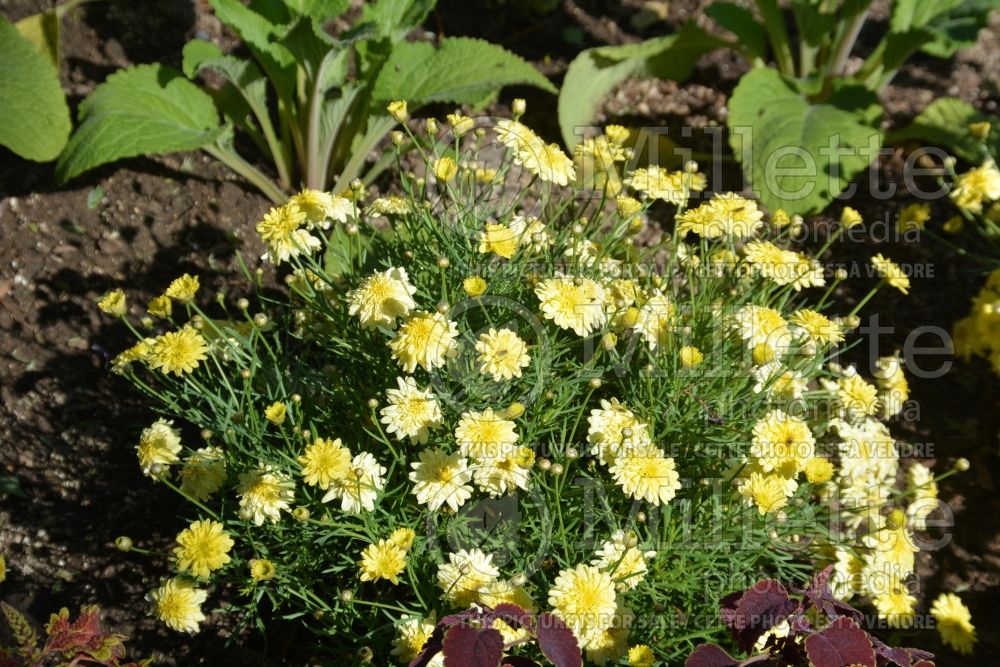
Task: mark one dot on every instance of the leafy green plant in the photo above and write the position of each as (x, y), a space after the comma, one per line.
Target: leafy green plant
(313, 104)
(803, 128)
(36, 122)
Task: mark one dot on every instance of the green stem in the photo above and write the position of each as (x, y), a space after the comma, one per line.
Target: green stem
(231, 159)
(844, 46)
(774, 23)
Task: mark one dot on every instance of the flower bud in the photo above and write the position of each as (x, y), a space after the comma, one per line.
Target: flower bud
(962, 464)
(123, 543)
(518, 106)
(242, 304)
(397, 110)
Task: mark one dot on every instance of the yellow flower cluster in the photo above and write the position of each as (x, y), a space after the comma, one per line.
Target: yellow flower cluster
(466, 347)
(978, 334)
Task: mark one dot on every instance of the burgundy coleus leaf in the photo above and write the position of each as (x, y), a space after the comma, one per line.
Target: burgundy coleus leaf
(557, 642)
(710, 655)
(760, 608)
(818, 592)
(431, 647)
(888, 655)
(727, 608)
(514, 616)
(840, 644)
(466, 646)
(472, 614)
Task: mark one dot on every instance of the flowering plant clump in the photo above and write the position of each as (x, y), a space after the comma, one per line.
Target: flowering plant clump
(484, 390)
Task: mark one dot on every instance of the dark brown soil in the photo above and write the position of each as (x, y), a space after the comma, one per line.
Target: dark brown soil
(68, 426)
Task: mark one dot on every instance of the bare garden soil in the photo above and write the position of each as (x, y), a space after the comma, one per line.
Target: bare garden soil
(68, 426)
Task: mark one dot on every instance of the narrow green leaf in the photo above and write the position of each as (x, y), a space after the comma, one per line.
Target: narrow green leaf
(35, 119)
(148, 109)
(799, 156)
(463, 70)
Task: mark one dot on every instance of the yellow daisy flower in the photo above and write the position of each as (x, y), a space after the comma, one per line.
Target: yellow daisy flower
(498, 239)
(382, 297)
(467, 574)
(441, 479)
(501, 354)
(425, 340)
(324, 462)
(113, 303)
(177, 603)
(261, 569)
(782, 443)
(203, 547)
(183, 289)
(159, 445)
(485, 435)
(204, 473)
(411, 412)
(644, 473)
(572, 303)
(954, 622)
(382, 560)
(892, 273)
(178, 352)
(263, 494)
(584, 598)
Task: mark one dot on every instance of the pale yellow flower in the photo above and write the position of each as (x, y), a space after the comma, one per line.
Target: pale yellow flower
(425, 340)
(501, 354)
(114, 303)
(177, 603)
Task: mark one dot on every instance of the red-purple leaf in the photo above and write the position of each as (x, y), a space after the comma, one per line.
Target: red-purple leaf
(557, 642)
(513, 615)
(818, 592)
(760, 608)
(841, 643)
(710, 655)
(431, 647)
(465, 646)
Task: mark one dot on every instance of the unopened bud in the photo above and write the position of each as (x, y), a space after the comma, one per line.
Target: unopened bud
(962, 464)
(123, 543)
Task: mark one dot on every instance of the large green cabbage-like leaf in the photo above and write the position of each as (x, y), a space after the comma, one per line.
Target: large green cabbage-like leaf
(799, 156)
(34, 118)
(463, 70)
(148, 109)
